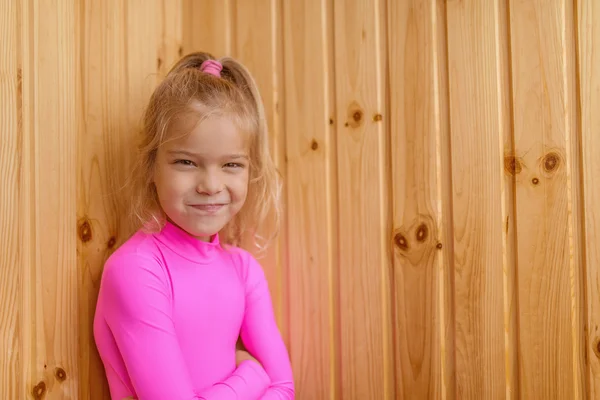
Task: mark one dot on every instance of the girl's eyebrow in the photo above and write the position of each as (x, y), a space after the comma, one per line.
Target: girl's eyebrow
(191, 154)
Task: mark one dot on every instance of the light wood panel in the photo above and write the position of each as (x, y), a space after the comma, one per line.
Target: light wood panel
(545, 130)
(257, 30)
(312, 207)
(588, 30)
(118, 76)
(478, 118)
(418, 96)
(399, 127)
(11, 256)
(50, 124)
(208, 26)
(363, 177)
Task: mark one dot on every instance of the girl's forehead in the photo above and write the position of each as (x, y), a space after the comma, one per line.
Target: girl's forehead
(211, 134)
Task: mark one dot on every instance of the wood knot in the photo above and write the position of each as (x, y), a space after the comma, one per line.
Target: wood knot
(111, 242)
(535, 181)
(314, 145)
(158, 63)
(355, 116)
(551, 162)
(401, 241)
(422, 233)
(330, 121)
(85, 231)
(377, 117)
(180, 51)
(417, 240)
(596, 347)
(39, 391)
(512, 165)
(60, 374)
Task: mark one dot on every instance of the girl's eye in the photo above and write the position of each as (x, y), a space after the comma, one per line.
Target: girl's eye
(234, 165)
(184, 162)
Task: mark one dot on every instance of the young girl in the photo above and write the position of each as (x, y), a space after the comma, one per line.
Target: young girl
(176, 297)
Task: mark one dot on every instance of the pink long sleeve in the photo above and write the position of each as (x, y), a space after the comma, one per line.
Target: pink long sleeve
(261, 335)
(169, 313)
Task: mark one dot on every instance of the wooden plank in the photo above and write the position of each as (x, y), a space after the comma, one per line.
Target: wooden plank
(118, 77)
(208, 27)
(588, 18)
(142, 67)
(311, 190)
(169, 35)
(545, 129)
(478, 118)
(258, 41)
(11, 142)
(422, 217)
(363, 165)
(50, 46)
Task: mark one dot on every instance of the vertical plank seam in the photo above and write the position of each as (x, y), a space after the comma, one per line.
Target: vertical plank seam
(228, 26)
(390, 205)
(83, 373)
(511, 391)
(582, 203)
(382, 131)
(334, 202)
(231, 18)
(578, 276)
(21, 149)
(440, 281)
(569, 172)
(450, 221)
(513, 204)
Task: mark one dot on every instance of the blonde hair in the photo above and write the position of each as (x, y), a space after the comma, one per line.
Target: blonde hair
(234, 95)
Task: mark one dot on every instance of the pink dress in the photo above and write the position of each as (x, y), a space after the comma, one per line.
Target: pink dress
(168, 317)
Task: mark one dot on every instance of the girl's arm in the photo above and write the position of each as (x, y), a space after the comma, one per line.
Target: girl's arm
(136, 304)
(261, 335)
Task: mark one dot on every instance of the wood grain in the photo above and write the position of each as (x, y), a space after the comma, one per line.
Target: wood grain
(208, 26)
(51, 289)
(543, 82)
(116, 83)
(477, 121)
(364, 225)
(588, 29)
(416, 35)
(11, 147)
(509, 166)
(170, 34)
(310, 154)
(257, 45)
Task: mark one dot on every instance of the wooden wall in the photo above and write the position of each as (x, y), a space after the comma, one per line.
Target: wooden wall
(441, 164)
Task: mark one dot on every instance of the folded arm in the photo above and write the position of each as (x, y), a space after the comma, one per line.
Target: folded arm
(261, 335)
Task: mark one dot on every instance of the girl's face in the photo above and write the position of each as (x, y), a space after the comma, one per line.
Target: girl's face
(202, 177)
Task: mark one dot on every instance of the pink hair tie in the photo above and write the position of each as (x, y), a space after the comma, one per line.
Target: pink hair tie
(212, 67)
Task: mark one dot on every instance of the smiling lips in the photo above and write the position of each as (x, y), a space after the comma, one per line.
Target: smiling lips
(208, 208)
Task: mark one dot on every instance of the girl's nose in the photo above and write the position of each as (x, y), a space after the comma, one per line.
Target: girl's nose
(209, 184)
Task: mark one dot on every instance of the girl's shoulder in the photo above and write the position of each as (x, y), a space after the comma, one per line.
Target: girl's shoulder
(247, 264)
(139, 249)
